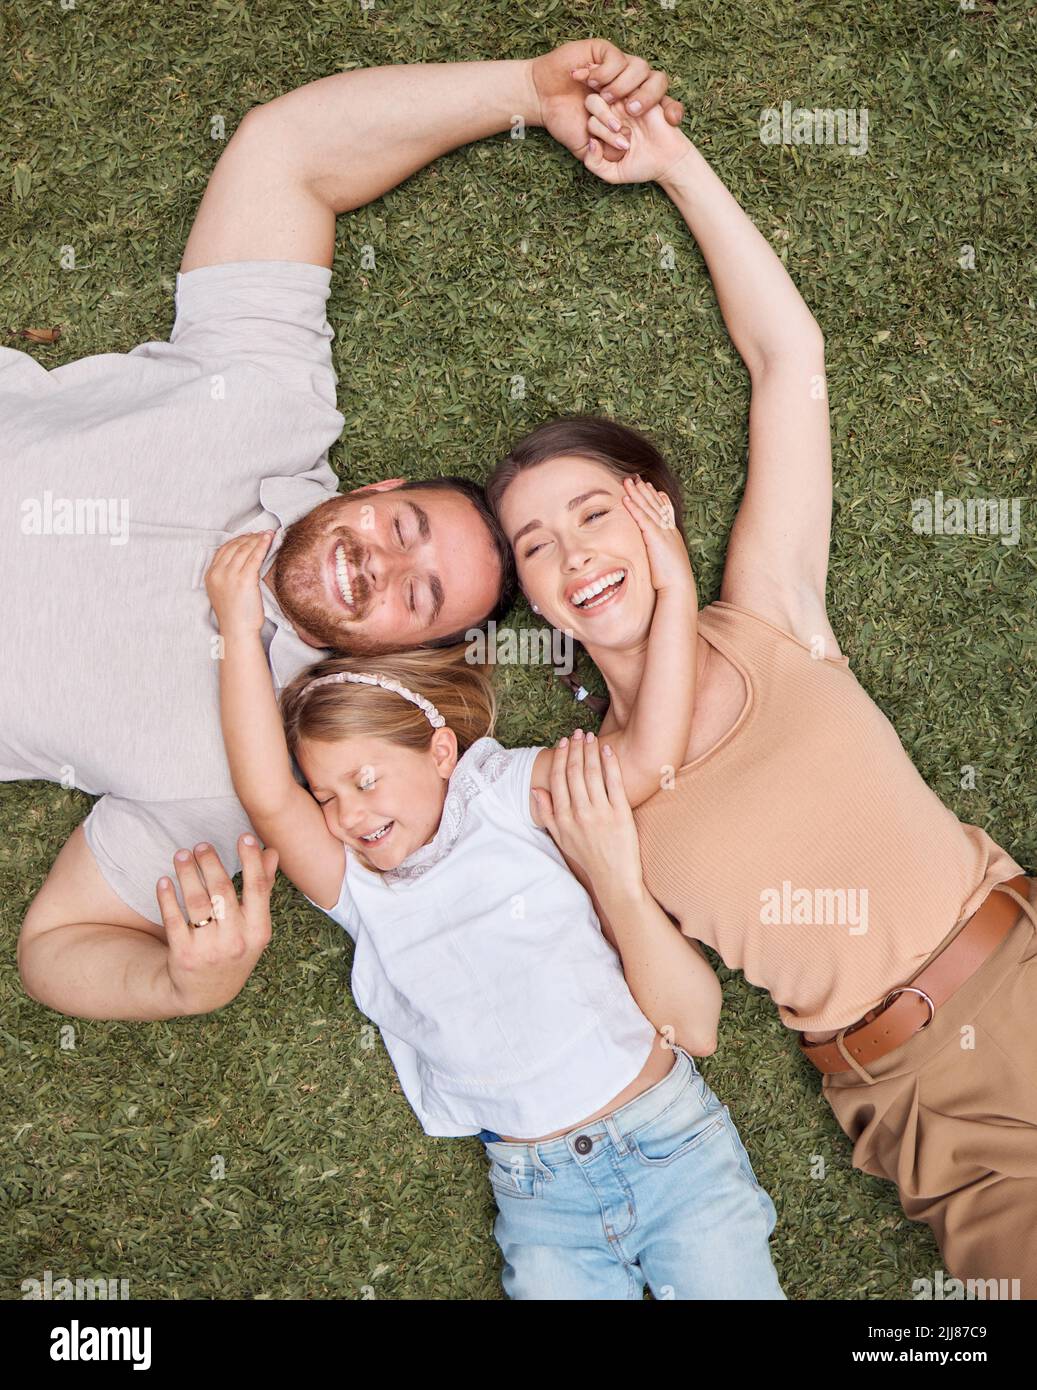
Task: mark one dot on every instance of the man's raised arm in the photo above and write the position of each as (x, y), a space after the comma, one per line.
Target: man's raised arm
(296, 162)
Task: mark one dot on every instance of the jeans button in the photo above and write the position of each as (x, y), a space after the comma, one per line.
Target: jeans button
(582, 1144)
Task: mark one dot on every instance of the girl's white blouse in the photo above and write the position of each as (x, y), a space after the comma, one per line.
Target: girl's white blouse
(482, 962)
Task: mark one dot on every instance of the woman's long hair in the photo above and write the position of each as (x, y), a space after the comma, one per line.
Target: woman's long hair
(625, 452)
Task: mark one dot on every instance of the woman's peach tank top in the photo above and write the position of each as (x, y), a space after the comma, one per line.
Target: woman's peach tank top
(805, 847)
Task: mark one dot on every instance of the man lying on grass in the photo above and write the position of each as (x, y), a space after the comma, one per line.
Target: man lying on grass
(111, 683)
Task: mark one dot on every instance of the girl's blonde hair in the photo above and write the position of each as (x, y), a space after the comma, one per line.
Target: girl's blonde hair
(460, 689)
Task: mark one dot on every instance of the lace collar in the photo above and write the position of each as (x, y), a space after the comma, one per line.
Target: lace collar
(484, 762)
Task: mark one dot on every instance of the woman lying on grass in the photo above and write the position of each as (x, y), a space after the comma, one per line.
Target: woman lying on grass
(479, 955)
(798, 840)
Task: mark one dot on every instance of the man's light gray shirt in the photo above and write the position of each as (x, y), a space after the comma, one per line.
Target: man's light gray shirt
(121, 475)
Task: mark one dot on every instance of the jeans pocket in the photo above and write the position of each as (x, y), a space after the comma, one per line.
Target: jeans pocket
(676, 1131)
(515, 1180)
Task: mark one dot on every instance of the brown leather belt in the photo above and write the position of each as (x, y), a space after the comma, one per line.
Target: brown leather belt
(909, 1008)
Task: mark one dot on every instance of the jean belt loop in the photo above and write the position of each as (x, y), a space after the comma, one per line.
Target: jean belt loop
(537, 1162)
(616, 1135)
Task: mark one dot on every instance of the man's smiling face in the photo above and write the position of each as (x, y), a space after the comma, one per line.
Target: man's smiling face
(382, 569)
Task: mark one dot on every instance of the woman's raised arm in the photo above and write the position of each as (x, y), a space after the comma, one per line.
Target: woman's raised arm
(777, 560)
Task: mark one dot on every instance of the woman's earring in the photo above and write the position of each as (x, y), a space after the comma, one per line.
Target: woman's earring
(535, 608)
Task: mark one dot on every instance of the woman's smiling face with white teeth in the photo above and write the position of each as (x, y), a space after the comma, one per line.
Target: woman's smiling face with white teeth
(568, 527)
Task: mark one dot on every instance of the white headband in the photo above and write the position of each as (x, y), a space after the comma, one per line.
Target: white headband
(427, 708)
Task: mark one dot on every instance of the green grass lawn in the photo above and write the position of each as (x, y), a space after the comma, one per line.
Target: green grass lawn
(503, 260)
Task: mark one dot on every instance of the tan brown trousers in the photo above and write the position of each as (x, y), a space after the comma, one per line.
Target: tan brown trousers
(951, 1118)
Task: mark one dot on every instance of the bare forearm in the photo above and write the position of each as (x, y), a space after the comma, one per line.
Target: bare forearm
(669, 978)
(340, 142)
(764, 312)
(656, 735)
(253, 734)
(90, 970)
(355, 135)
(359, 134)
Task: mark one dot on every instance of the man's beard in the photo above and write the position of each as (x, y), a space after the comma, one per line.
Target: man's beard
(298, 574)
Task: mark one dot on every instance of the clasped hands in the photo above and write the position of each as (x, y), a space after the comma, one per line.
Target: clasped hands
(611, 111)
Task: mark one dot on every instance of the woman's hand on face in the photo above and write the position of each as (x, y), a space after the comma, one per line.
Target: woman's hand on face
(649, 145)
(588, 816)
(232, 583)
(208, 965)
(667, 553)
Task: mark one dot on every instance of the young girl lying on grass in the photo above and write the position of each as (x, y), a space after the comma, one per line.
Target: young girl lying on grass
(479, 955)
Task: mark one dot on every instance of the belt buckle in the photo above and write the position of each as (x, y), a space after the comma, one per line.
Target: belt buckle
(912, 989)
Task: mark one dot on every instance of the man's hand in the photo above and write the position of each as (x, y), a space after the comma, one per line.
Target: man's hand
(561, 80)
(208, 965)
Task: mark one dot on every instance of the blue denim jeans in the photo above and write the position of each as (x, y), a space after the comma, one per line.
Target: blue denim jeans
(660, 1191)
